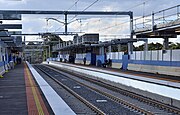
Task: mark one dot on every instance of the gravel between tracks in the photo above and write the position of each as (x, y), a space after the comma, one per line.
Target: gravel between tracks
(75, 104)
(103, 103)
(140, 104)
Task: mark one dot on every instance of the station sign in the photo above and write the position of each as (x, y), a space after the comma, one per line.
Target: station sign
(15, 32)
(10, 16)
(10, 26)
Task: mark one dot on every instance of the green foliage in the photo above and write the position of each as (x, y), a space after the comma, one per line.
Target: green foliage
(174, 46)
(157, 46)
(151, 46)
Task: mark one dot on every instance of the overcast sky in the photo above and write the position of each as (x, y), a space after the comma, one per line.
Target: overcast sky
(114, 25)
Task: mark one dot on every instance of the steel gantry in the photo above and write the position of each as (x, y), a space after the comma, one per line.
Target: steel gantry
(66, 13)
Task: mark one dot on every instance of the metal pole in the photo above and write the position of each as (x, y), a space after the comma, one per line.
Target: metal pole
(49, 51)
(166, 43)
(110, 49)
(131, 30)
(24, 48)
(152, 21)
(119, 47)
(129, 48)
(46, 54)
(59, 44)
(177, 12)
(145, 48)
(65, 23)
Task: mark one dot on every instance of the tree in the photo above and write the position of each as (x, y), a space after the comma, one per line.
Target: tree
(151, 46)
(51, 37)
(174, 45)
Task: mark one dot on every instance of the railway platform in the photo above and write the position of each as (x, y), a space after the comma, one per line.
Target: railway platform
(39, 90)
(19, 93)
(139, 75)
(13, 92)
(159, 87)
(22, 94)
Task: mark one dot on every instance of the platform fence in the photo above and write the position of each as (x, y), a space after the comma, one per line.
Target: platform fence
(153, 55)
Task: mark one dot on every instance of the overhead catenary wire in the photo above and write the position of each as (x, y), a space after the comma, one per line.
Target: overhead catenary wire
(86, 24)
(115, 25)
(140, 4)
(73, 5)
(85, 9)
(59, 28)
(90, 5)
(82, 11)
(96, 2)
(137, 5)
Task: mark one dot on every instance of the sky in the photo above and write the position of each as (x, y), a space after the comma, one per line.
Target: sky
(104, 25)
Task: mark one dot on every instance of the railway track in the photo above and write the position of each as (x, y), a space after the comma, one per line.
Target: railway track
(132, 108)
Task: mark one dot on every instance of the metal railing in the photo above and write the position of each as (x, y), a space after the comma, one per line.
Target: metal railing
(159, 18)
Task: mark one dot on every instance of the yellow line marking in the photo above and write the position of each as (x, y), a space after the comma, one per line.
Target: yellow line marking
(38, 105)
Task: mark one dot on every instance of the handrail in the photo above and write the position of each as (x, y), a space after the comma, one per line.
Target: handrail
(156, 17)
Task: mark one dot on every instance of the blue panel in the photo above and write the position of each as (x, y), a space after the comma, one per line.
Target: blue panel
(9, 58)
(88, 56)
(125, 62)
(116, 61)
(93, 59)
(101, 58)
(1, 63)
(156, 63)
(148, 62)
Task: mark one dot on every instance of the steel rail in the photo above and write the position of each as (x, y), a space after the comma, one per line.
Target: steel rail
(124, 92)
(116, 99)
(91, 106)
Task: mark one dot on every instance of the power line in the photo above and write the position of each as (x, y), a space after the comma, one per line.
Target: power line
(127, 21)
(85, 9)
(67, 10)
(122, 22)
(90, 5)
(73, 5)
(140, 4)
(70, 7)
(82, 11)
(118, 24)
(59, 28)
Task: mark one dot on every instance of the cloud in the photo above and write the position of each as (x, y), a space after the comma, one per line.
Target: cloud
(104, 27)
(107, 8)
(102, 24)
(13, 3)
(32, 24)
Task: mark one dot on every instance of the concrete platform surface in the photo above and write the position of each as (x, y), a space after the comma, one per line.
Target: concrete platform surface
(20, 94)
(13, 92)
